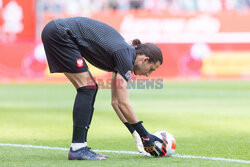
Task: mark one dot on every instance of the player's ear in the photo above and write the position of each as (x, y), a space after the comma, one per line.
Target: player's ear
(145, 59)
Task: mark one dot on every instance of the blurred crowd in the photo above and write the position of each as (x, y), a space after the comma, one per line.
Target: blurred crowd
(88, 6)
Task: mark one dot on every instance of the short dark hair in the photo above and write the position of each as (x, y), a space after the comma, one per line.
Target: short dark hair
(149, 50)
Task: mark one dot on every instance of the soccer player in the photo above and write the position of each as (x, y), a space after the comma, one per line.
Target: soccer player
(68, 42)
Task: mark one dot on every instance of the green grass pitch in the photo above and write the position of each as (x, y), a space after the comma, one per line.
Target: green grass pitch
(210, 119)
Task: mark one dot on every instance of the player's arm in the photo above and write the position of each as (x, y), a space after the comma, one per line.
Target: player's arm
(127, 112)
(114, 103)
(120, 96)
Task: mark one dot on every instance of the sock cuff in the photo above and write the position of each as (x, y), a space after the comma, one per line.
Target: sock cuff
(140, 129)
(130, 127)
(87, 89)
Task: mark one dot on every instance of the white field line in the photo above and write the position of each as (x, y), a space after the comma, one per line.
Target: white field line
(127, 152)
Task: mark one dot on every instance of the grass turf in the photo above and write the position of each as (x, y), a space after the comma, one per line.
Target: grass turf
(207, 119)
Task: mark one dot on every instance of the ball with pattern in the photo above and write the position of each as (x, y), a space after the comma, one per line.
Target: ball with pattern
(169, 144)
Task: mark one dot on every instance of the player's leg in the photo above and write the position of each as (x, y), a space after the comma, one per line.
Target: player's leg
(82, 113)
(84, 104)
(82, 109)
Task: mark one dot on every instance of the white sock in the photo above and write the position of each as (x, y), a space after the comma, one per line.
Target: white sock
(77, 146)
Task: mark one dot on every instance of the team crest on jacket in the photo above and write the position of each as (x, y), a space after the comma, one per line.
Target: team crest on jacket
(128, 74)
(79, 62)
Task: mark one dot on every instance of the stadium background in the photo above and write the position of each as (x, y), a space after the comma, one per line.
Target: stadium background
(200, 39)
(204, 102)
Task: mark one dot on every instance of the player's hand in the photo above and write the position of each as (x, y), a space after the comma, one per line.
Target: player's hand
(149, 144)
(139, 144)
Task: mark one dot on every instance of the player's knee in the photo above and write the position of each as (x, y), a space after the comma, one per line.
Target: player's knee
(81, 79)
(114, 103)
(123, 105)
(94, 88)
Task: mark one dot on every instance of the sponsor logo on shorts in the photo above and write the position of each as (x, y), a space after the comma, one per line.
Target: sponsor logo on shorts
(79, 62)
(128, 74)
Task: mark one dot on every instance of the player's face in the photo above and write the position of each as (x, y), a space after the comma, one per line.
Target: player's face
(143, 67)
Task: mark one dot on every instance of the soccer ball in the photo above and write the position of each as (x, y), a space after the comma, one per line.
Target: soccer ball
(169, 144)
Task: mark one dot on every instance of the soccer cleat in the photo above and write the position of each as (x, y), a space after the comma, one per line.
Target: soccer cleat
(99, 155)
(84, 154)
